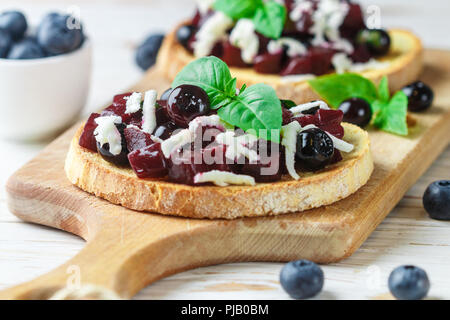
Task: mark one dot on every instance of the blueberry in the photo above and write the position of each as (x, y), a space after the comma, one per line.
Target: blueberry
(57, 35)
(377, 41)
(147, 52)
(315, 149)
(302, 279)
(14, 22)
(420, 96)
(5, 43)
(184, 34)
(26, 49)
(356, 111)
(409, 283)
(436, 200)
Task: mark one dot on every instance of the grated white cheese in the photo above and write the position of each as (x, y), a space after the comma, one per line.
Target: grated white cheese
(204, 5)
(300, 7)
(342, 63)
(210, 32)
(297, 111)
(106, 132)
(224, 178)
(327, 19)
(238, 146)
(372, 64)
(297, 78)
(176, 141)
(149, 112)
(133, 102)
(295, 47)
(204, 121)
(289, 141)
(244, 37)
(339, 144)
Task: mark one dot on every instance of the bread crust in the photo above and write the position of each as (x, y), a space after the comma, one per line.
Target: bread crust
(90, 172)
(405, 65)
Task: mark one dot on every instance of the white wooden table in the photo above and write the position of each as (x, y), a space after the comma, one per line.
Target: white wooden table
(407, 236)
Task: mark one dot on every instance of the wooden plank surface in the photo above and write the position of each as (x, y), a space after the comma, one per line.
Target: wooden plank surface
(164, 245)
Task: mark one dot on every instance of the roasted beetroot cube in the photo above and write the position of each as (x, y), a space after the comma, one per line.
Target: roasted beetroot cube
(127, 118)
(137, 139)
(354, 19)
(299, 65)
(119, 100)
(335, 129)
(305, 120)
(268, 63)
(217, 50)
(87, 139)
(232, 55)
(286, 115)
(320, 60)
(327, 117)
(337, 156)
(161, 114)
(361, 54)
(184, 165)
(148, 162)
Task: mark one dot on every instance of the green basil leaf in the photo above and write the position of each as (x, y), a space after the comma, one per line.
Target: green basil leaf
(238, 9)
(269, 19)
(392, 116)
(212, 75)
(383, 90)
(257, 108)
(336, 88)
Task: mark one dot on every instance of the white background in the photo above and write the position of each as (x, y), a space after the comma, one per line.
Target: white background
(116, 27)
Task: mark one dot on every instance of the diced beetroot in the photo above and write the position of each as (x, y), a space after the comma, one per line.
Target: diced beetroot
(286, 115)
(148, 162)
(305, 23)
(161, 114)
(217, 50)
(327, 117)
(232, 55)
(320, 60)
(361, 54)
(337, 156)
(299, 65)
(335, 130)
(305, 120)
(87, 139)
(137, 139)
(268, 63)
(119, 100)
(354, 18)
(184, 165)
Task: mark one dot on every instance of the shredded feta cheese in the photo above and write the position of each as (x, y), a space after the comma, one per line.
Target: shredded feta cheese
(297, 111)
(289, 141)
(204, 5)
(224, 178)
(295, 47)
(297, 78)
(238, 146)
(300, 7)
(204, 121)
(244, 37)
(106, 132)
(133, 102)
(341, 62)
(149, 112)
(372, 64)
(176, 141)
(211, 31)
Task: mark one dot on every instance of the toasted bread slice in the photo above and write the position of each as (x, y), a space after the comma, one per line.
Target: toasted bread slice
(91, 173)
(405, 61)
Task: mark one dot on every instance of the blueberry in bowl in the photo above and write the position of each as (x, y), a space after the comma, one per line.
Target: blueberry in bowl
(56, 82)
(14, 22)
(147, 52)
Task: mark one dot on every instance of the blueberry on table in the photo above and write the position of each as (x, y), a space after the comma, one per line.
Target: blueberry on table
(26, 49)
(436, 200)
(315, 149)
(57, 35)
(148, 51)
(409, 283)
(14, 22)
(356, 111)
(420, 96)
(377, 41)
(302, 279)
(5, 43)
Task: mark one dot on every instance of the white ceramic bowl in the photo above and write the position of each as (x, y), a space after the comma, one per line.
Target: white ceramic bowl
(39, 97)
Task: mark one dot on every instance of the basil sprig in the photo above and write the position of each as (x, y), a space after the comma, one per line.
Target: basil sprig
(253, 109)
(269, 17)
(389, 114)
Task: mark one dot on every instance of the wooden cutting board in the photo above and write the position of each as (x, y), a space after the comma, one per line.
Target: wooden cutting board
(127, 250)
